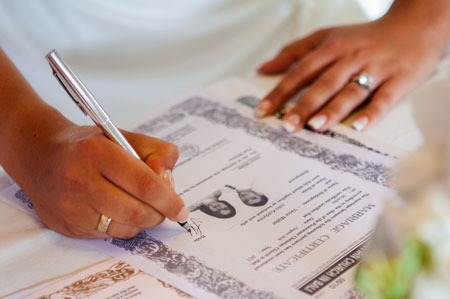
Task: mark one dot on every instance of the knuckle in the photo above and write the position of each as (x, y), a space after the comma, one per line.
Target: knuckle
(334, 45)
(88, 146)
(72, 180)
(294, 74)
(325, 84)
(305, 107)
(145, 185)
(339, 112)
(139, 217)
(359, 54)
(353, 91)
(335, 111)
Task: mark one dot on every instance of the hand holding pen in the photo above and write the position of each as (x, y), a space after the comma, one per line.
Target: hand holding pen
(149, 194)
(73, 174)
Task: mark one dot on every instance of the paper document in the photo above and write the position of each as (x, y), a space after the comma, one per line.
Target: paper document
(275, 215)
(112, 279)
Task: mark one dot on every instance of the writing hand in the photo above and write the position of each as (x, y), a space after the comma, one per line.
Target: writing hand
(81, 175)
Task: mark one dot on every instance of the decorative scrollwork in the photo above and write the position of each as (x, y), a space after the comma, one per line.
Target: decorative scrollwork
(231, 118)
(189, 267)
(94, 283)
(24, 198)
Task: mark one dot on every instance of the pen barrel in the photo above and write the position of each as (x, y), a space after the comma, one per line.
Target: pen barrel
(111, 131)
(76, 89)
(86, 101)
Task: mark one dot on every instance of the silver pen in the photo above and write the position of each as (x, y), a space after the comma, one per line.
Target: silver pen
(87, 103)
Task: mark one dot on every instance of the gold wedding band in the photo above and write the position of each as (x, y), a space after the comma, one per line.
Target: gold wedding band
(103, 224)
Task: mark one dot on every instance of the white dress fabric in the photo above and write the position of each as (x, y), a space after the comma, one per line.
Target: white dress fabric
(134, 55)
(141, 53)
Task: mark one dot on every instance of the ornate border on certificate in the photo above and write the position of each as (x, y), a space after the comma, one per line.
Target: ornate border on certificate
(24, 198)
(88, 286)
(252, 101)
(231, 118)
(189, 267)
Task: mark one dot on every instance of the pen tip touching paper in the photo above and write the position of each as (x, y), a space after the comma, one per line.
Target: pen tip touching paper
(186, 226)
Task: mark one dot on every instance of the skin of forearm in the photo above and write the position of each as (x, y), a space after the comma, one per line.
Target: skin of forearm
(26, 122)
(432, 17)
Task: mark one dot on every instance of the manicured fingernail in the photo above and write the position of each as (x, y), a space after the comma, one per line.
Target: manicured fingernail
(317, 122)
(183, 215)
(168, 177)
(291, 123)
(360, 123)
(263, 108)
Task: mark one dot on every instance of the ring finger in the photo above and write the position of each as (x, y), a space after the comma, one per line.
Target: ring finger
(321, 91)
(347, 100)
(122, 207)
(88, 220)
(117, 230)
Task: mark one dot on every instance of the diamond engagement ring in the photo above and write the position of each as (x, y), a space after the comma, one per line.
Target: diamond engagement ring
(103, 224)
(364, 80)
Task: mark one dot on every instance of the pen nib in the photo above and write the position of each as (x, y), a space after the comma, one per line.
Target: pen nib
(186, 226)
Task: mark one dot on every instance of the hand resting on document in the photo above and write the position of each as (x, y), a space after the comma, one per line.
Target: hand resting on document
(372, 65)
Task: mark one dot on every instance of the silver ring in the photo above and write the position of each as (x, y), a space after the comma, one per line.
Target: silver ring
(103, 224)
(364, 80)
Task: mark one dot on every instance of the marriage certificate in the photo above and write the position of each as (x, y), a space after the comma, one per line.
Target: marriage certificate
(274, 215)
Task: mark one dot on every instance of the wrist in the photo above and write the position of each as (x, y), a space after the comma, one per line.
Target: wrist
(27, 136)
(430, 20)
(27, 123)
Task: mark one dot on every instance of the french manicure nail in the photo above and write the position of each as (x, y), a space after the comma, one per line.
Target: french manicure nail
(360, 123)
(183, 215)
(168, 177)
(317, 122)
(291, 123)
(263, 108)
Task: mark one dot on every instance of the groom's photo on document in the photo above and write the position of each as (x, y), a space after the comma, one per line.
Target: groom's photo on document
(212, 206)
(250, 197)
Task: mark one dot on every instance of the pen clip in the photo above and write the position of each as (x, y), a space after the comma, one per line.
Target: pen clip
(70, 94)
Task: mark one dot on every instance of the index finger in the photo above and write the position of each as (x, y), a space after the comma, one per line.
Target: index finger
(160, 155)
(136, 178)
(299, 76)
